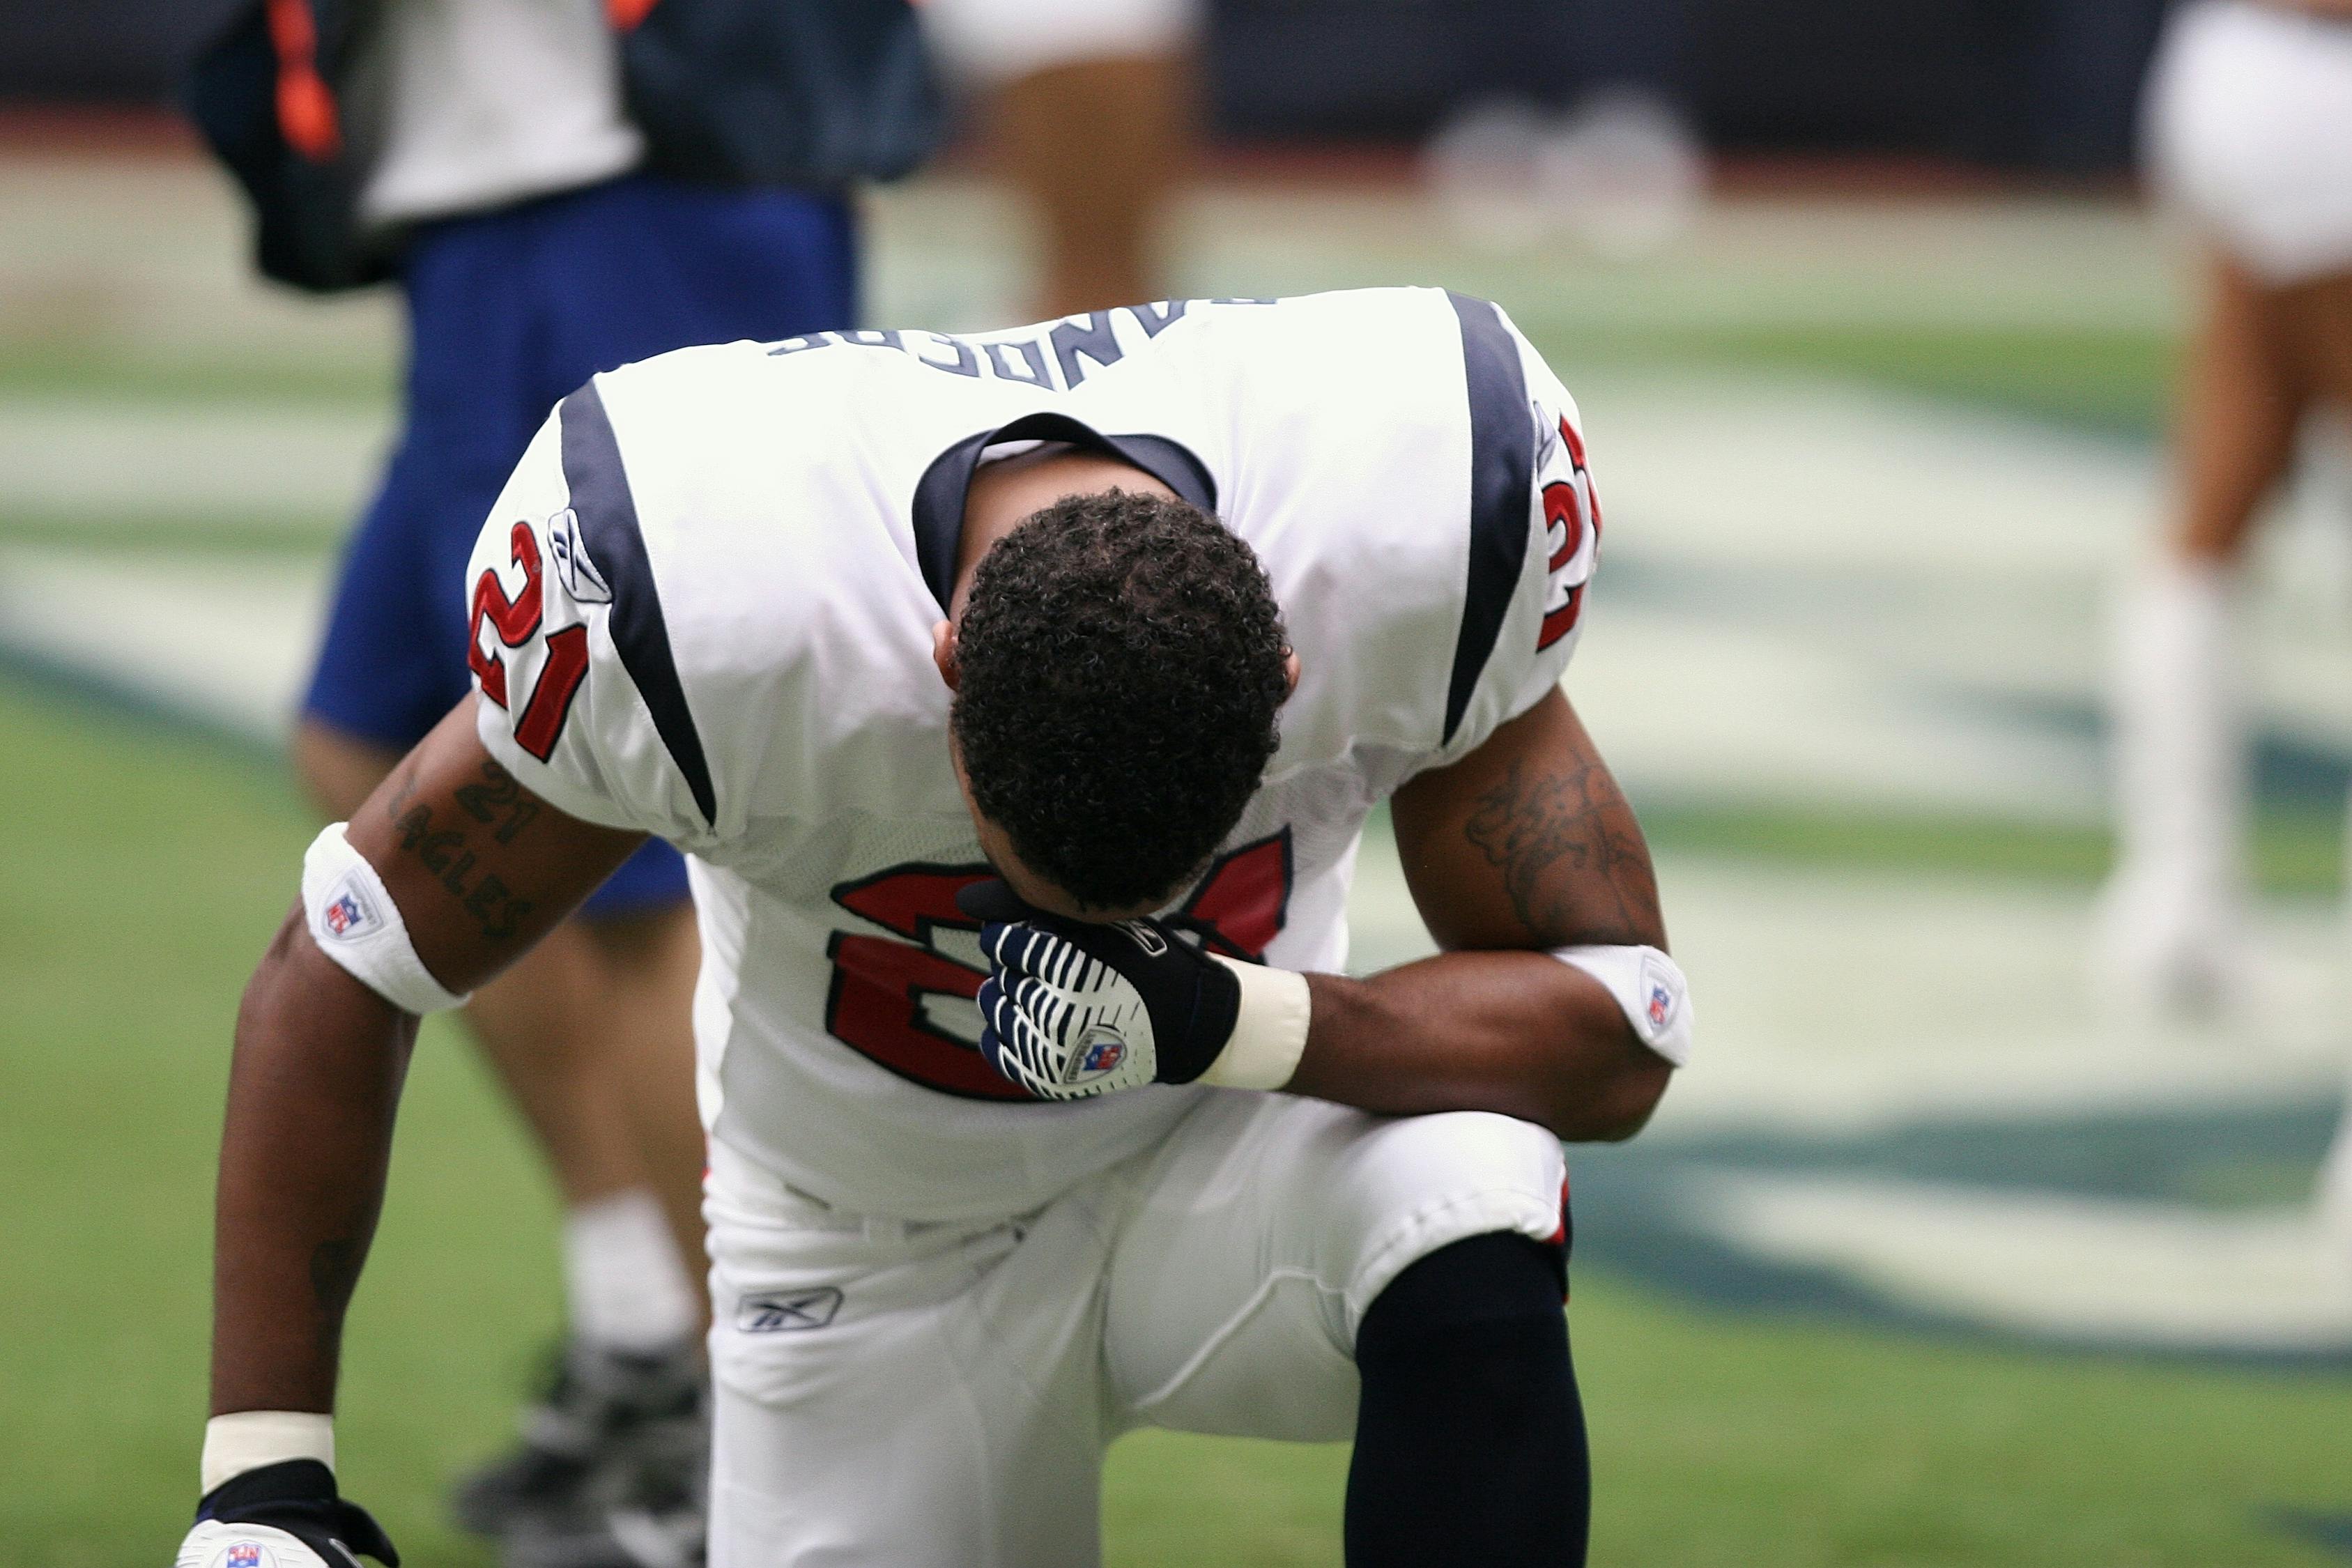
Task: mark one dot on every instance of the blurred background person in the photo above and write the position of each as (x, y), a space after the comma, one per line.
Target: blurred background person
(558, 187)
(2249, 122)
(1086, 112)
(2251, 129)
(1592, 137)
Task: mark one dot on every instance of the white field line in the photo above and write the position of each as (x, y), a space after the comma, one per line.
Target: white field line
(103, 459)
(2149, 1273)
(1838, 594)
(1808, 591)
(226, 640)
(150, 257)
(1848, 1001)
(949, 250)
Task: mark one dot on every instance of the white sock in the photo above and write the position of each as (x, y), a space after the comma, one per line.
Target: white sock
(2335, 1189)
(623, 1284)
(2179, 746)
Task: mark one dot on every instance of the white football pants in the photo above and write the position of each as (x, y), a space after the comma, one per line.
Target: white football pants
(892, 1395)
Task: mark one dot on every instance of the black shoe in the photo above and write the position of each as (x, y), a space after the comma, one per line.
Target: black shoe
(611, 1470)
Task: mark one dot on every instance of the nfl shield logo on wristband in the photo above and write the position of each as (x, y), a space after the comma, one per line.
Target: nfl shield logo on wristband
(1661, 993)
(347, 915)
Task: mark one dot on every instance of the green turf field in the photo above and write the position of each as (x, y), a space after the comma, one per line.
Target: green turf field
(1766, 1407)
(147, 869)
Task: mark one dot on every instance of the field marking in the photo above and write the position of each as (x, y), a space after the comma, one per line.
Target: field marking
(1821, 582)
(225, 640)
(2148, 1274)
(1877, 599)
(1748, 263)
(106, 457)
(1849, 1000)
(1810, 594)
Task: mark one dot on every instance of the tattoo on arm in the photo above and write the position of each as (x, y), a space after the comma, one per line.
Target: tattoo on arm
(1571, 859)
(500, 800)
(441, 846)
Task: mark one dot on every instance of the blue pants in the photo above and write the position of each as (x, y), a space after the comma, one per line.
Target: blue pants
(508, 312)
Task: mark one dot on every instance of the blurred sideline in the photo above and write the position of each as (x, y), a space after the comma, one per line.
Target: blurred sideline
(1817, 591)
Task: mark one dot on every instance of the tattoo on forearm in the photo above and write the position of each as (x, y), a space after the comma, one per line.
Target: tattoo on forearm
(1572, 859)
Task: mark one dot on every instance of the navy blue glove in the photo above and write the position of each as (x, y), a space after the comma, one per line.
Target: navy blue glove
(1073, 1009)
(244, 1523)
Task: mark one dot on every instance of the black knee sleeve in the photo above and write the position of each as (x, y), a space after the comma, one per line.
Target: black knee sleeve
(1470, 1436)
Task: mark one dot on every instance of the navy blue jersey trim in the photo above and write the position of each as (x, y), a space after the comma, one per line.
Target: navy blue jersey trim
(608, 520)
(939, 494)
(1502, 473)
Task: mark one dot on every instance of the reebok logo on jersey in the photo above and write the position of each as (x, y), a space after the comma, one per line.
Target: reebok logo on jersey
(579, 575)
(777, 1313)
(349, 915)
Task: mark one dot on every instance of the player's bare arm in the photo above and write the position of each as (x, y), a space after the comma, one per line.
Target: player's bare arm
(478, 868)
(1555, 1000)
(1522, 848)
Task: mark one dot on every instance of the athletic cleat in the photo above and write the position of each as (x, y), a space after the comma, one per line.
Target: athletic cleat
(611, 1472)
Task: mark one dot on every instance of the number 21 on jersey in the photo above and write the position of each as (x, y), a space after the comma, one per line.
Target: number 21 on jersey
(516, 620)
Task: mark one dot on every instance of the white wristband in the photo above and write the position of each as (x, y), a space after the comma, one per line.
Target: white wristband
(354, 921)
(1649, 988)
(1270, 1033)
(249, 1439)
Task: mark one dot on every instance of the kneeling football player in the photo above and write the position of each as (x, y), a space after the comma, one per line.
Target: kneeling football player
(1020, 701)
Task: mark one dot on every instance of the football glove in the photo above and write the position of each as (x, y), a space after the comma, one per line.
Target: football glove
(284, 1515)
(1073, 1009)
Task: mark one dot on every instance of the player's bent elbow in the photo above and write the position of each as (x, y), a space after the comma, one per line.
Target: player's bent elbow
(267, 987)
(1617, 1107)
(296, 990)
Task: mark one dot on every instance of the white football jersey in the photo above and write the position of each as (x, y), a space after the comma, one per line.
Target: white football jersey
(703, 608)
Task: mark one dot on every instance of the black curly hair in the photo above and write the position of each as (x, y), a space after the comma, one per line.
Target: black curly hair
(1121, 659)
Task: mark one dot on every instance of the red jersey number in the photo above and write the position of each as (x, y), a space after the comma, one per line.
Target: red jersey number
(879, 1002)
(1564, 523)
(516, 621)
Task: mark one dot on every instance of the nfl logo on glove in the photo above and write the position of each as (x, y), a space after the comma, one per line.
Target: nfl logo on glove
(1100, 1056)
